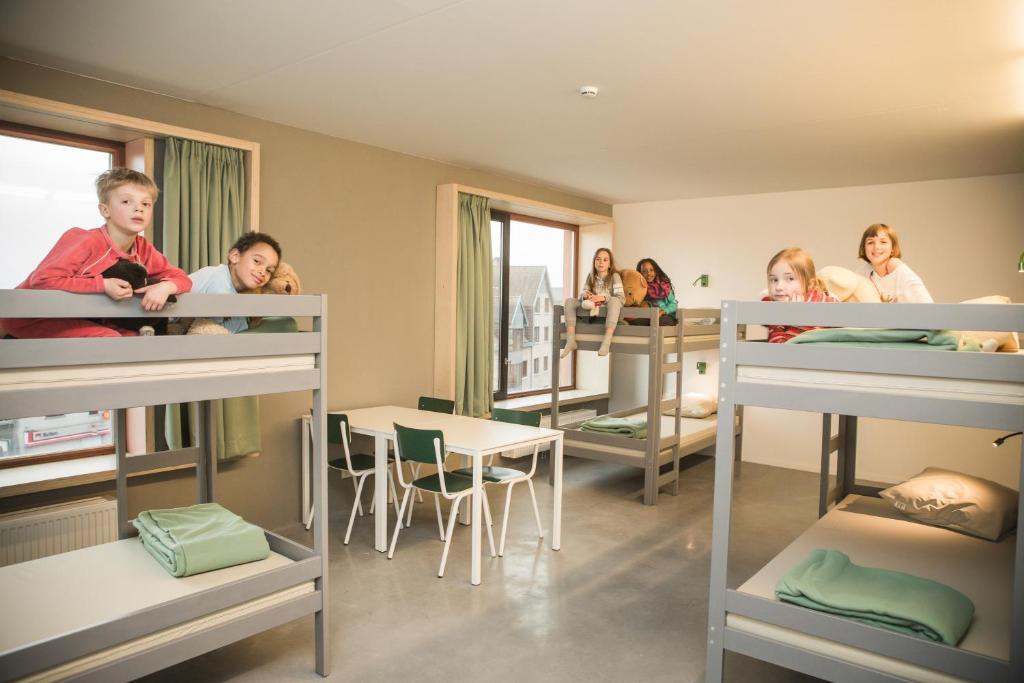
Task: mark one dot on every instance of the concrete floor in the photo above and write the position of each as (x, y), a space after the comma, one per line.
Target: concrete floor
(625, 599)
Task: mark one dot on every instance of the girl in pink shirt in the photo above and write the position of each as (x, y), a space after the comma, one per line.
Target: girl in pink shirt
(792, 277)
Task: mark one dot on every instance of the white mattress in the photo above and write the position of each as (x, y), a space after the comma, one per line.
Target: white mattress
(17, 379)
(874, 534)
(62, 593)
(906, 385)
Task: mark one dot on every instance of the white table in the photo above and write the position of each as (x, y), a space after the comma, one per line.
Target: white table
(470, 436)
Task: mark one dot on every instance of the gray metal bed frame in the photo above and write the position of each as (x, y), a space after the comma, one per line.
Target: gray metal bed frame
(656, 450)
(309, 564)
(850, 405)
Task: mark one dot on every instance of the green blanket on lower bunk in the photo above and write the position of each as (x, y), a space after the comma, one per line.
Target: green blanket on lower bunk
(828, 582)
(199, 538)
(943, 340)
(633, 427)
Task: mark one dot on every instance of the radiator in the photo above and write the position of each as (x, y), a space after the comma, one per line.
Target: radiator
(35, 533)
(564, 417)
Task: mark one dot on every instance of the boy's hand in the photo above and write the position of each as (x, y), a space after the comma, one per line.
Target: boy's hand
(156, 295)
(116, 288)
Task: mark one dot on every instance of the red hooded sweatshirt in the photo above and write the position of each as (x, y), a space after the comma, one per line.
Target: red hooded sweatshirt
(76, 264)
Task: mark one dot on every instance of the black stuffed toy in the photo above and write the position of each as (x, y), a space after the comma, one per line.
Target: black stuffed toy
(136, 275)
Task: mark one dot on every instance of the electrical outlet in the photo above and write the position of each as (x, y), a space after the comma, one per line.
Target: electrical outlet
(702, 367)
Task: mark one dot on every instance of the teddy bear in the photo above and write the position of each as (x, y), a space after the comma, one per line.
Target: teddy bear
(635, 286)
(846, 285)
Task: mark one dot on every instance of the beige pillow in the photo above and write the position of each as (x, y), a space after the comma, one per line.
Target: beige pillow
(698, 405)
(846, 285)
(958, 501)
(1001, 341)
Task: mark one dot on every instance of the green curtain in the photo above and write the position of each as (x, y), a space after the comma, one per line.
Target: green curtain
(204, 212)
(474, 341)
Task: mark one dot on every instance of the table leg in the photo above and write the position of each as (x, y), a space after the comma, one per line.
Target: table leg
(478, 485)
(380, 493)
(556, 522)
(465, 513)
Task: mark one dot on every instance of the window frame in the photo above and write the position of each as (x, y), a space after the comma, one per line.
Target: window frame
(57, 137)
(118, 154)
(501, 392)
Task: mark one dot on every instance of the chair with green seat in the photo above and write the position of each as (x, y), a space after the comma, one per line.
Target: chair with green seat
(359, 466)
(508, 476)
(426, 446)
(433, 405)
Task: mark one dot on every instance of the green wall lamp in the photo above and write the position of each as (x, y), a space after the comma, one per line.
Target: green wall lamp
(1020, 263)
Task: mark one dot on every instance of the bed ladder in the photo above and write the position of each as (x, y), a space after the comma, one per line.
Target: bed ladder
(201, 456)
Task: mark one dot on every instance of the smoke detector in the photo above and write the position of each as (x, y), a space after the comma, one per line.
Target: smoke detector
(589, 91)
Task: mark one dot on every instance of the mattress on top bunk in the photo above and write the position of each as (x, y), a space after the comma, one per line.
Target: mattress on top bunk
(17, 379)
(873, 534)
(906, 385)
(56, 595)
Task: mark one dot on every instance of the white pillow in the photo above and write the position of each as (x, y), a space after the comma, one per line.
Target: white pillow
(698, 405)
(956, 500)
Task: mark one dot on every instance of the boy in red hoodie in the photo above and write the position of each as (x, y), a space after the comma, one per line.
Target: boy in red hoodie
(77, 262)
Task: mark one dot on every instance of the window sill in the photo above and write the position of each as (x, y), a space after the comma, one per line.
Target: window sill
(543, 401)
(18, 481)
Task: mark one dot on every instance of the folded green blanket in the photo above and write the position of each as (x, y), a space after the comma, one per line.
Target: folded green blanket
(828, 582)
(200, 538)
(634, 427)
(893, 339)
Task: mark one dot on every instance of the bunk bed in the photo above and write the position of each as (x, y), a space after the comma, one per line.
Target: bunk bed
(983, 390)
(111, 612)
(670, 436)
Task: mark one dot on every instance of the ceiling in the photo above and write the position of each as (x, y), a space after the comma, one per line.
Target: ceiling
(697, 97)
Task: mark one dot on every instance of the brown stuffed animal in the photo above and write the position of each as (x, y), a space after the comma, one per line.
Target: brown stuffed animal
(284, 281)
(635, 286)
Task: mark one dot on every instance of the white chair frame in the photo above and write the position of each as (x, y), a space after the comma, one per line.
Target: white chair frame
(455, 498)
(528, 478)
(359, 478)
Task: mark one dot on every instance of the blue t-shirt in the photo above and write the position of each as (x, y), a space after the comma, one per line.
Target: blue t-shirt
(217, 280)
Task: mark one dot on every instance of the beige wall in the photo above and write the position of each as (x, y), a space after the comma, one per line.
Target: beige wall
(962, 236)
(357, 222)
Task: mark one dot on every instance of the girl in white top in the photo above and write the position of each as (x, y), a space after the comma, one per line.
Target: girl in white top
(603, 288)
(896, 282)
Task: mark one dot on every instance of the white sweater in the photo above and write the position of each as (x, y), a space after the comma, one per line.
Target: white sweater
(900, 286)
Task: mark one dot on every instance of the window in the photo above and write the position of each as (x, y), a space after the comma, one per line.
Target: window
(534, 263)
(47, 186)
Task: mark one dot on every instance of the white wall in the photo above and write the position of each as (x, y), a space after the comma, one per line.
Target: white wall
(962, 236)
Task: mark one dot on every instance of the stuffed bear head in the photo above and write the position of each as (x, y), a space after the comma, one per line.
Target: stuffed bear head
(847, 285)
(635, 286)
(284, 281)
